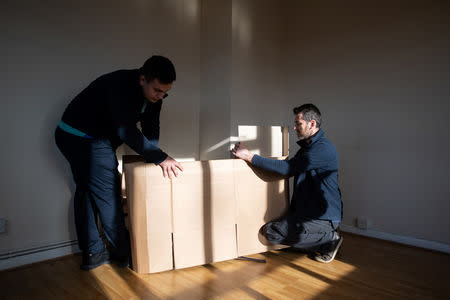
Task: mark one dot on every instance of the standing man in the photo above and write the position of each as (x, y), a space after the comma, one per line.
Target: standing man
(316, 208)
(94, 124)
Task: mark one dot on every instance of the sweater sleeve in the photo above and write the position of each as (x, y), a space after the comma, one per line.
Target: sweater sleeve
(321, 156)
(282, 167)
(150, 122)
(123, 118)
(139, 143)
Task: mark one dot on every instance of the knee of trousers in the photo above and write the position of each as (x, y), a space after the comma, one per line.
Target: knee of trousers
(273, 235)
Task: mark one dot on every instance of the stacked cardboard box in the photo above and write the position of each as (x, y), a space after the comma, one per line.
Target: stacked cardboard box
(212, 212)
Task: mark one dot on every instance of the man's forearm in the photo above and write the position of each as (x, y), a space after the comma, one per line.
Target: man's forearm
(279, 166)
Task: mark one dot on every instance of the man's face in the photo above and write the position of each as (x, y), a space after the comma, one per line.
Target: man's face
(303, 128)
(154, 90)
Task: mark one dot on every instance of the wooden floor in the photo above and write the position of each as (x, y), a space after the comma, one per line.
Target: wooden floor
(366, 269)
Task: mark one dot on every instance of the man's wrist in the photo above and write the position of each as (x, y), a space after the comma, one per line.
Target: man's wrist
(250, 157)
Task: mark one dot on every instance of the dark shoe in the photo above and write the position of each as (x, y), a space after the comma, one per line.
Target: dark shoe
(123, 262)
(91, 261)
(328, 256)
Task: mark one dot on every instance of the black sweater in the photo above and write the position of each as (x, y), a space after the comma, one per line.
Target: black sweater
(111, 106)
(315, 170)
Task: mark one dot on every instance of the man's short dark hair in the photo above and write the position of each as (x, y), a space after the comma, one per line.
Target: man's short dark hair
(158, 67)
(309, 112)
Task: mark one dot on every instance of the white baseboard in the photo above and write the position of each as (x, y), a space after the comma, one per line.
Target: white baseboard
(406, 240)
(19, 258)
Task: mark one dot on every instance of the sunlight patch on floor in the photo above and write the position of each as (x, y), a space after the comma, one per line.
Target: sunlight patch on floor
(113, 285)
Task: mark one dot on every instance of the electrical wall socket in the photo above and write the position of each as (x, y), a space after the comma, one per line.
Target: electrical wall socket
(363, 222)
(2, 225)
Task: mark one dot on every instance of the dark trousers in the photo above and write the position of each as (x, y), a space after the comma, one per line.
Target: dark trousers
(94, 169)
(301, 233)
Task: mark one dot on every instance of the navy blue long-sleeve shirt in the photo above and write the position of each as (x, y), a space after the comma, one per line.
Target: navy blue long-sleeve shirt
(315, 169)
(111, 106)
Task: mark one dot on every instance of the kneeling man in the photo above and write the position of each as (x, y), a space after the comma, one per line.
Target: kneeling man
(315, 212)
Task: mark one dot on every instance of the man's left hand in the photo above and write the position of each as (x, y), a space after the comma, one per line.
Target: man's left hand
(240, 151)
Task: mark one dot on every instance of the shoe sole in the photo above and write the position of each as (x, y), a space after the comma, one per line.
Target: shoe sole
(334, 253)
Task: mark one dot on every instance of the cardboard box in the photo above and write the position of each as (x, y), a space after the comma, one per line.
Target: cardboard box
(149, 202)
(204, 213)
(212, 212)
(261, 197)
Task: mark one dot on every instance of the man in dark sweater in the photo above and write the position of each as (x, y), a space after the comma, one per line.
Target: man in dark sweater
(315, 211)
(99, 119)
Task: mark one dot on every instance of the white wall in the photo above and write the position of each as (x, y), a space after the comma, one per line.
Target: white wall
(242, 71)
(215, 79)
(50, 51)
(380, 73)
(258, 81)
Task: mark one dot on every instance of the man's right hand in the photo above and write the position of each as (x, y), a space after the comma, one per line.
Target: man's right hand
(169, 166)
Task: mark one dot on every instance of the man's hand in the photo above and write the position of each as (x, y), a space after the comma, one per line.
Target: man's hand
(169, 166)
(240, 151)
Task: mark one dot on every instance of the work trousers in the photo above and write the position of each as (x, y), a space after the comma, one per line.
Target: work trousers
(98, 191)
(301, 233)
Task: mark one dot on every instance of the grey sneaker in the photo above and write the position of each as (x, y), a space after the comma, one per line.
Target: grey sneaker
(328, 256)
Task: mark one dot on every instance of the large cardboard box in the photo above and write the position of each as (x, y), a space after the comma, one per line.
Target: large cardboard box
(212, 212)
(261, 197)
(148, 196)
(204, 213)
